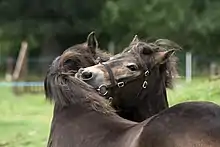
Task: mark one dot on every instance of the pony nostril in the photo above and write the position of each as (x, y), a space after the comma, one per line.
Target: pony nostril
(86, 75)
(81, 70)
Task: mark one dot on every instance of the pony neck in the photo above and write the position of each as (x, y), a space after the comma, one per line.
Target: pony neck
(138, 104)
(74, 113)
(154, 99)
(82, 107)
(76, 121)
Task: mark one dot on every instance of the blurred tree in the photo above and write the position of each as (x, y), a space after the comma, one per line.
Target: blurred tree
(36, 19)
(152, 18)
(51, 25)
(54, 25)
(192, 23)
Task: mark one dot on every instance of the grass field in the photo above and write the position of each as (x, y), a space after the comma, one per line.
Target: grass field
(25, 120)
(198, 90)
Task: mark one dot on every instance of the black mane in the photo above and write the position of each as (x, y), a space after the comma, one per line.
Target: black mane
(64, 89)
(169, 68)
(57, 82)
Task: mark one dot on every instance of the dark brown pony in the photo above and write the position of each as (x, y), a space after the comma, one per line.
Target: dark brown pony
(78, 56)
(82, 118)
(86, 54)
(138, 99)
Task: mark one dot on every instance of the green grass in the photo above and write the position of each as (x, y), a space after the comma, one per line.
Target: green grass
(25, 120)
(198, 90)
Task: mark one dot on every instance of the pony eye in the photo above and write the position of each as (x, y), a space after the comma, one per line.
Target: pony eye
(132, 67)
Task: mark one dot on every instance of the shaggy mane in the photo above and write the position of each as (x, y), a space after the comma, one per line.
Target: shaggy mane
(169, 68)
(83, 50)
(64, 89)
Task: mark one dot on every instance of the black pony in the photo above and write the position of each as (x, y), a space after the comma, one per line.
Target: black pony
(82, 118)
(88, 54)
(78, 56)
(123, 78)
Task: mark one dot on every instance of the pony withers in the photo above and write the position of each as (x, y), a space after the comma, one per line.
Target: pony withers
(133, 78)
(83, 118)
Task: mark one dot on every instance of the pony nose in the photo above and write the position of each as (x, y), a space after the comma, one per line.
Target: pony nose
(86, 75)
(80, 70)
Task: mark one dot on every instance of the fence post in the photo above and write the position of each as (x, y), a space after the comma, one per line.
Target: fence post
(9, 69)
(188, 67)
(21, 66)
(111, 47)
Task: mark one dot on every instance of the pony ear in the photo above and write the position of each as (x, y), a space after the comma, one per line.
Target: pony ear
(135, 39)
(163, 56)
(92, 42)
